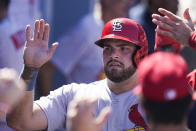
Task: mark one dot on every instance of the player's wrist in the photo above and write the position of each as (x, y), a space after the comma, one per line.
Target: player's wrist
(30, 74)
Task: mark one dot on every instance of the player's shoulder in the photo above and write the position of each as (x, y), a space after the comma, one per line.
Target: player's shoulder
(84, 85)
(98, 84)
(69, 91)
(75, 87)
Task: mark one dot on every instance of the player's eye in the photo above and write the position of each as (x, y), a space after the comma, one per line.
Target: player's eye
(124, 48)
(107, 49)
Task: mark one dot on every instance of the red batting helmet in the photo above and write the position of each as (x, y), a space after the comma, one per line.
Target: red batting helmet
(161, 41)
(162, 76)
(127, 30)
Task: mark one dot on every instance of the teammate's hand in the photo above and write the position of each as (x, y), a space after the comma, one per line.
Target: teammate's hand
(81, 116)
(11, 89)
(178, 29)
(36, 51)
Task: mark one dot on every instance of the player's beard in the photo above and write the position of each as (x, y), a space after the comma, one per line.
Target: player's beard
(119, 76)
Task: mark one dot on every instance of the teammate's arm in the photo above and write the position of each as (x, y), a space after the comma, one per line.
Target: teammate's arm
(27, 115)
(192, 40)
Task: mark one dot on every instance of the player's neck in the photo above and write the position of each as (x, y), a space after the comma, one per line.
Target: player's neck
(179, 127)
(123, 86)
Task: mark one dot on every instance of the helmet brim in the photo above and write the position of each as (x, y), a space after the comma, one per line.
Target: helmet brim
(100, 42)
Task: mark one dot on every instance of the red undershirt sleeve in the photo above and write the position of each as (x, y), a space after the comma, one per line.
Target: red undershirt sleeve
(192, 40)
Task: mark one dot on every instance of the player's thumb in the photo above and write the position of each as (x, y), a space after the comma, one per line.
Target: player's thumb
(188, 18)
(102, 118)
(52, 49)
(187, 15)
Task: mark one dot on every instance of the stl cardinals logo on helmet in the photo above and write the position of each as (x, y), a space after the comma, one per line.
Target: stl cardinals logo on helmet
(117, 25)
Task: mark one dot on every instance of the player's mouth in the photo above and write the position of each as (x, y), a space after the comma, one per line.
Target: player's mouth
(114, 64)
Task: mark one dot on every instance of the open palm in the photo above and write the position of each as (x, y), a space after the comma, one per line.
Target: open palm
(36, 50)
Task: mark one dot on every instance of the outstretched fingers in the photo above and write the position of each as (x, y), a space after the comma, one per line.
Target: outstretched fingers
(28, 33)
(52, 50)
(169, 14)
(41, 29)
(189, 19)
(36, 30)
(187, 15)
(164, 19)
(46, 32)
(162, 24)
(165, 33)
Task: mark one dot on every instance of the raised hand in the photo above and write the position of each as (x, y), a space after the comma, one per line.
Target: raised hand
(36, 50)
(81, 118)
(177, 28)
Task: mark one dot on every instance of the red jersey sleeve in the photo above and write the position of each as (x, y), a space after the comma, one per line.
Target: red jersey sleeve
(192, 40)
(191, 77)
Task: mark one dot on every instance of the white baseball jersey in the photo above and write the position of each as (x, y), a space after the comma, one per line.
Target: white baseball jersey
(12, 41)
(79, 59)
(126, 111)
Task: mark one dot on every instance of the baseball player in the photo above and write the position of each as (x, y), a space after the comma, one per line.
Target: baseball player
(165, 92)
(167, 109)
(124, 44)
(83, 60)
(11, 40)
